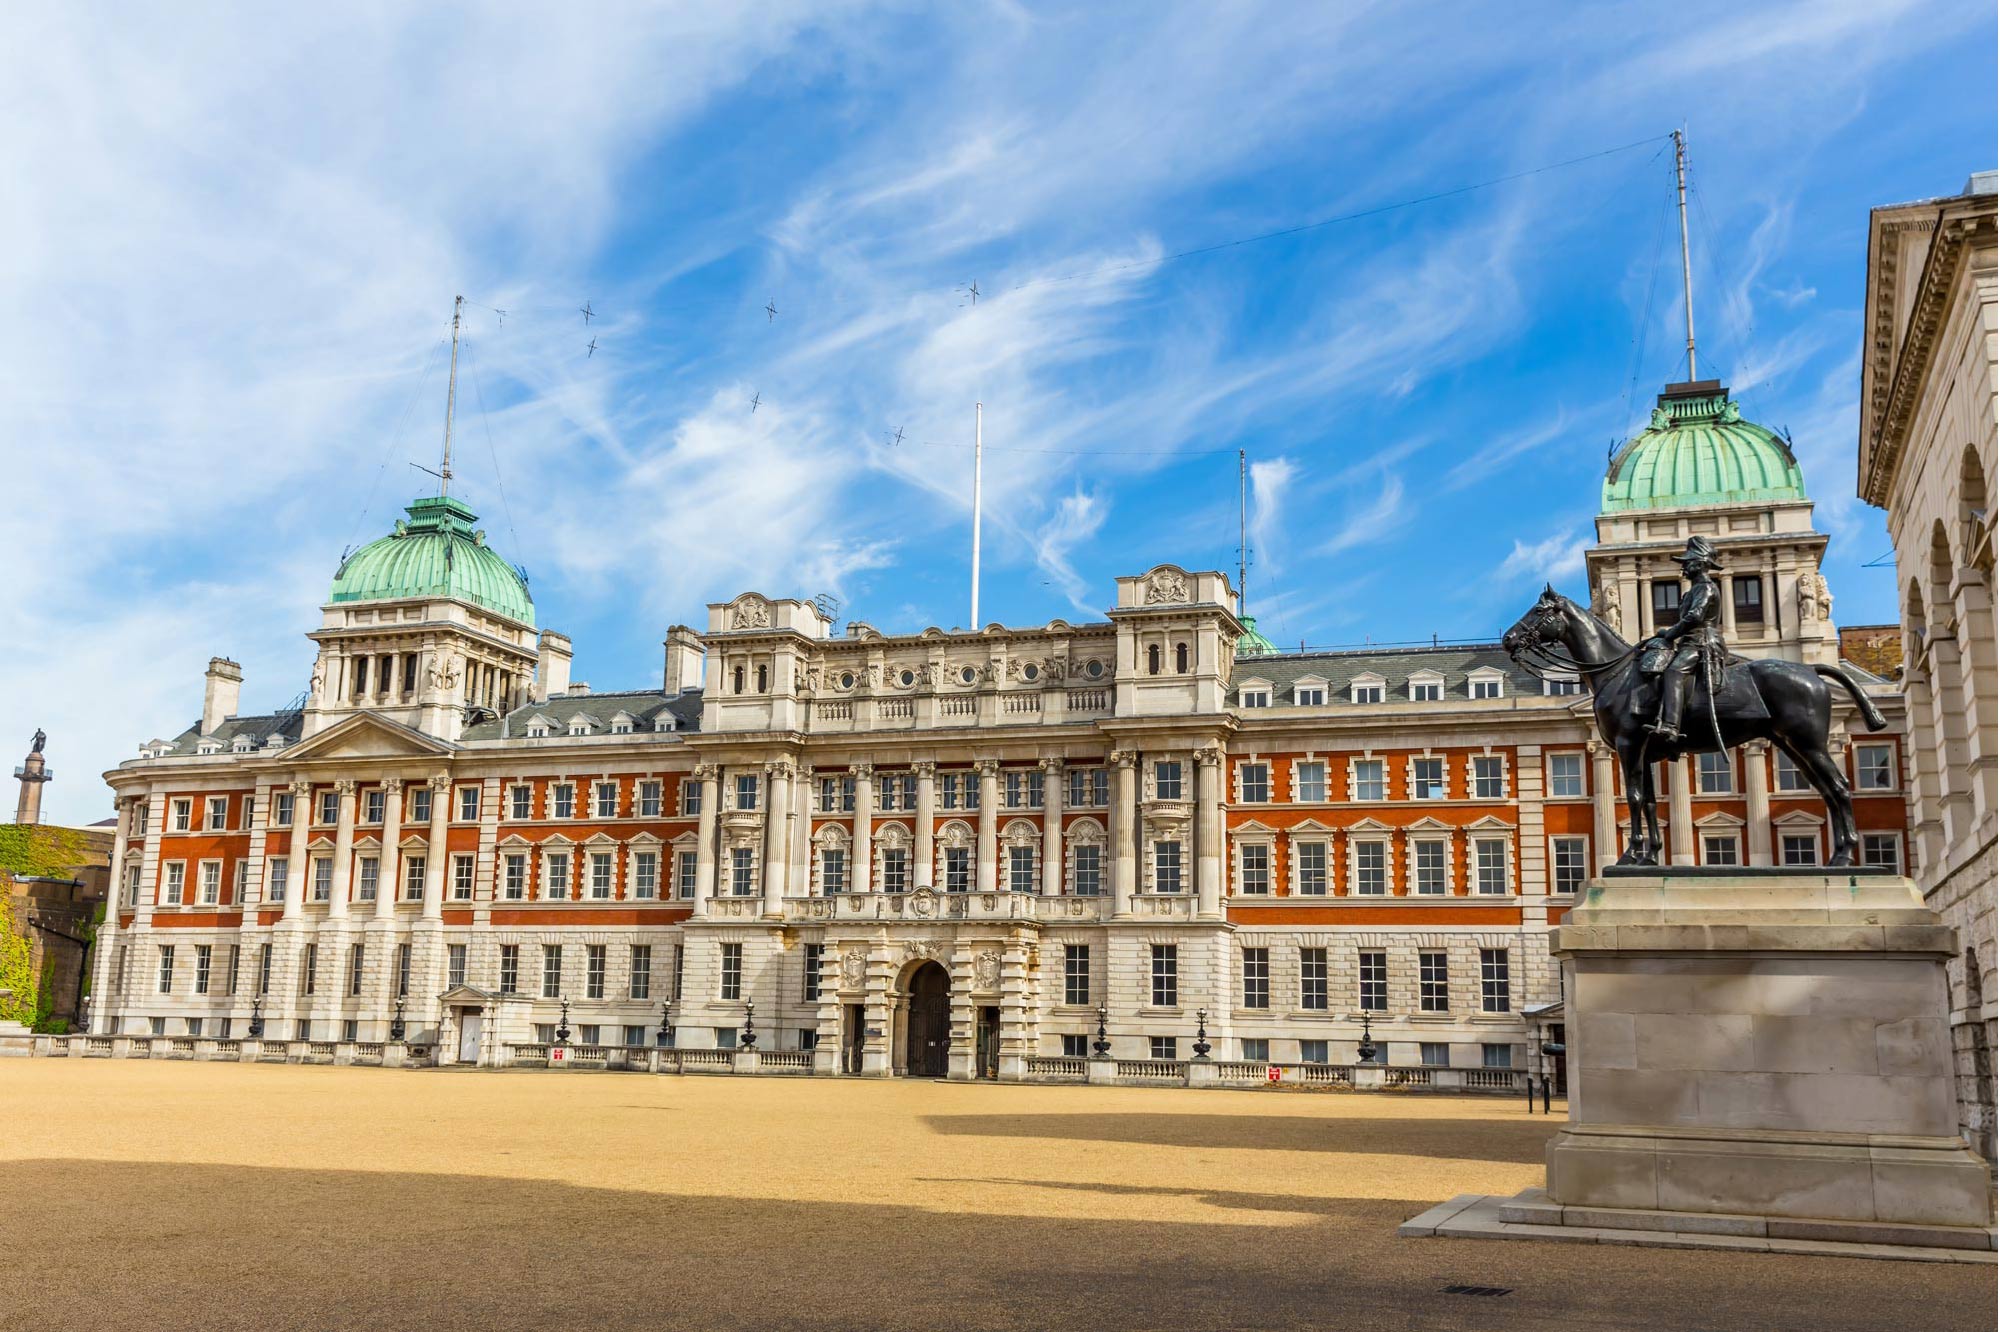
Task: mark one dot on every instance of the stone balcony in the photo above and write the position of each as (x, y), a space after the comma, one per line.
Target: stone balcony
(868, 713)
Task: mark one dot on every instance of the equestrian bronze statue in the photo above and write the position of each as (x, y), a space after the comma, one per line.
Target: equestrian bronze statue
(1681, 692)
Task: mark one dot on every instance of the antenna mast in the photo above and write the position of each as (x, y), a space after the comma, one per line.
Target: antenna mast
(1242, 534)
(451, 397)
(978, 465)
(1687, 269)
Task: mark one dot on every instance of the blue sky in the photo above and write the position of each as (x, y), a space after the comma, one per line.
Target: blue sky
(235, 236)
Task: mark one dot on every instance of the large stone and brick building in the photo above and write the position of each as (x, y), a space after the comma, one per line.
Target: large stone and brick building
(941, 852)
(1928, 393)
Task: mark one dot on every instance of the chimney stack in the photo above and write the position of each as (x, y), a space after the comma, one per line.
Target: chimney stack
(221, 691)
(685, 651)
(552, 666)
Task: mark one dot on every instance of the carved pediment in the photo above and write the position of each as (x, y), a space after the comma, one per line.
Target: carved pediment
(362, 736)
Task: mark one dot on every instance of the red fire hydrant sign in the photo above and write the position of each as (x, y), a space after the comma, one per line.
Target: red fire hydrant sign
(558, 1054)
(1275, 1073)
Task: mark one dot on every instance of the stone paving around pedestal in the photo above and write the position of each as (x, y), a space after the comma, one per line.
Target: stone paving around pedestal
(219, 1196)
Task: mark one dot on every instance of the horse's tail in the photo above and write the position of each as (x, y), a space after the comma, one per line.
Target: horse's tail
(1870, 714)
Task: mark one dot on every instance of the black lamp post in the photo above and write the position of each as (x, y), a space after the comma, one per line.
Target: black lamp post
(1201, 1045)
(1101, 1047)
(749, 1041)
(396, 1027)
(666, 1034)
(1366, 1050)
(257, 1018)
(562, 1026)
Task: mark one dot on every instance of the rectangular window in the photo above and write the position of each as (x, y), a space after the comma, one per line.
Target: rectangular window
(555, 878)
(1166, 975)
(593, 970)
(1163, 1047)
(634, 1036)
(1712, 774)
(1309, 696)
(309, 978)
(1800, 849)
(218, 814)
(203, 954)
(836, 795)
(281, 810)
(649, 800)
(462, 869)
(1255, 698)
(1489, 777)
(1485, 687)
(690, 796)
(1490, 860)
(895, 870)
(1433, 982)
(639, 980)
(1256, 1049)
(1493, 987)
(468, 804)
(1076, 973)
(1789, 778)
(357, 955)
(725, 1038)
(1426, 691)
(510, 968)
(552, 971)
(1167, 779)
(235, 963)
(322, 879)
(1566, 775)
(957, 869)
(514, 876)
(746, 790)
(1558, 685)
(607, 800)
(1496, 1056)
(1312, 979)
(454, 973)
(1719, 849)
(1088, 877)
(1021, 869)
(1748, 594)
(680, 968)
(264, 969)
(1256, 978)
(1883, 851)
(176, 882)
(1371, 867)
(1255, 873)
(1666, 602)
(601, 876)
(815, 954)
(1427, 779)
(1374, 974)
(1310, 863)
(1368, 779)
(645, 874)
(371, 871)
(562, 801)
(687, 872)
(1089, 787)
(1431, 865)
(832, 870)
(1874, 768)
(402, 970)
(732, 971)
(420, 804)
(1367, 693)
(183, 816)
(374, 803)
(211, 882)
(1255, 779)
(1075, 1045)
(1166, 867)
(1024, 789)
(413, 878)
(1571, 859)
(520, 802)
(1434, 1054)
(329, 807)
(1312, 1052)
(1309, 783)
(132, 885)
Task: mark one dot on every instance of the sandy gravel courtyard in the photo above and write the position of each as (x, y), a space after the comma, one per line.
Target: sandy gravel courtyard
(157, 1195)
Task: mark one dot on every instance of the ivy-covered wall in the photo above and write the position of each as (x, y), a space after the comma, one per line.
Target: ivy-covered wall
(17, 968)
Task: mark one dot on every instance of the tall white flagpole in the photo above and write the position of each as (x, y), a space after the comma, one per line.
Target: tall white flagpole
(978, 465)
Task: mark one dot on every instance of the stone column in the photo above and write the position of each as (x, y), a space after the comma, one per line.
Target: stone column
(436, 857)
(343, 850)
(987, 874)
(1208, 831)
(777, 851)
(704, 852)
(926, 850)
(1124, 819)
(1052, 827)
(1603, 807)
(103, 1002)
(389, 880)
(1680, 813)
(1757, 789)
(861, 874)
(298, 861)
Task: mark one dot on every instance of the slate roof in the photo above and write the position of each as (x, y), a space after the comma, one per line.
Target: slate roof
(259, 728)
(1394, 665)
(644, 706)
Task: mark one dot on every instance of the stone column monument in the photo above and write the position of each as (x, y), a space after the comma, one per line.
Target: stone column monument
(32, 774)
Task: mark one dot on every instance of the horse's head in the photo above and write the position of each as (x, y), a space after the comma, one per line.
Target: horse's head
(1547, 621)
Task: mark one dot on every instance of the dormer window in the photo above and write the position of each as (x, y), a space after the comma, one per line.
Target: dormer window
(579, 727)
(1255, 698)
(621, 727)
(1427, 687)
(1486, 683)
(1367, 689)
(1561, 684)
(1310, 696)
(664, 722)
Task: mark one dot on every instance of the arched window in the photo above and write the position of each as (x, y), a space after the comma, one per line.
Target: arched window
(1180, 658)
(763, 679)
(1153, 659)
(739, 679)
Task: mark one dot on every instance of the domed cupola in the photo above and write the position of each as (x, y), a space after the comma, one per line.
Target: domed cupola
(1698, 450)
(436, 552)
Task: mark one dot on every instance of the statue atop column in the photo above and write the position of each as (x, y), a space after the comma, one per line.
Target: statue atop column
(32, 774)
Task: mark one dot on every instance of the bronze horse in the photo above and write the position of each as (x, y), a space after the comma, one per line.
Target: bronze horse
(1785, 702)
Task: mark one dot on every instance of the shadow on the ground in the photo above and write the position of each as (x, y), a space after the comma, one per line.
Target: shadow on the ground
(1519, 1140)
(180, 1246)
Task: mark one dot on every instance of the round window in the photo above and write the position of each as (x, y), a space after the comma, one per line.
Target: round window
(968, 675)
(908, 677)
(1030, 672)
(1094, 669)
(847, 679)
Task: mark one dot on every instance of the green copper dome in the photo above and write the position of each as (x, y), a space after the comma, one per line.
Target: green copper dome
(435, 554)
(1252, 643)
(1698, 449)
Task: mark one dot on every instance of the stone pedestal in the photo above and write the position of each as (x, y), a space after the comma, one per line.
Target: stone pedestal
(1752, 1047)
(15, 1038)
(1200, 1073)
(1101, 1071)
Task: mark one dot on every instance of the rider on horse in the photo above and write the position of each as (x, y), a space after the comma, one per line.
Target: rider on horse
(1693, 640)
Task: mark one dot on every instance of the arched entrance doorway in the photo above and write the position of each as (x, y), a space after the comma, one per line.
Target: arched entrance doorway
(928, 1026)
